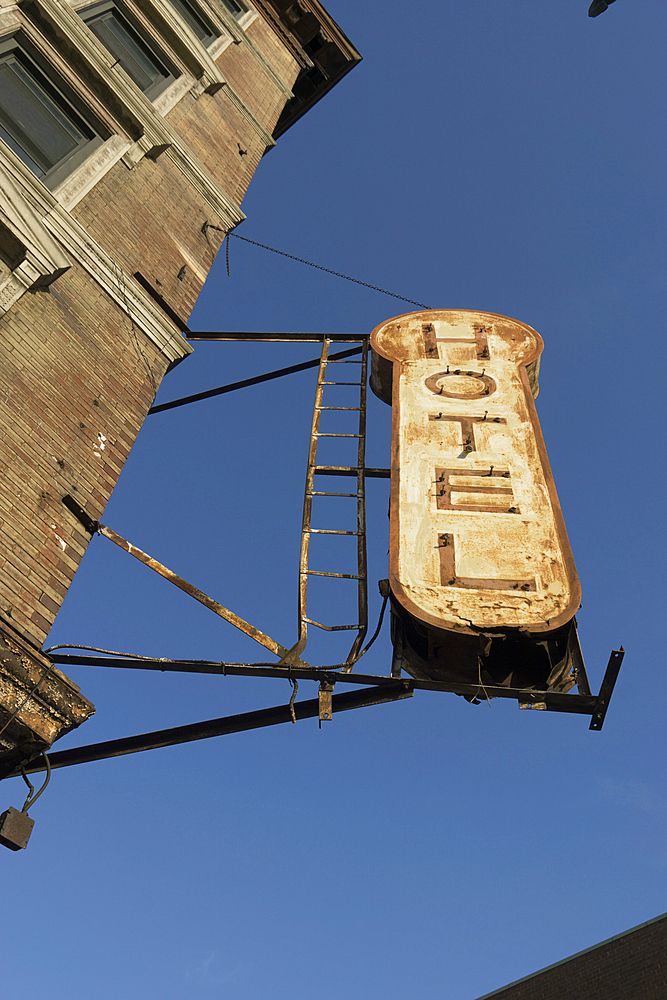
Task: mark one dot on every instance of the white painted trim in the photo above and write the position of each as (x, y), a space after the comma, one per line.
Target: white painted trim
(122, 289)
(77, 185)
(32, 213)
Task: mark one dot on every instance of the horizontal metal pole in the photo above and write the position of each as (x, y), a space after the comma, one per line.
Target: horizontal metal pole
(219, 727)
(332, 470)
(310, 338)
(574, 703)
(208, 393)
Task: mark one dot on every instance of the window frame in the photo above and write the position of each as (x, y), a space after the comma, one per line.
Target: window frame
(64, 99)
(196, 15)
(243, 8)
(124, 17)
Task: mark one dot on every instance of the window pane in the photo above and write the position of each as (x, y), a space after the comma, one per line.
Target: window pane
(139, 61)
(201, 28)
(36, 123)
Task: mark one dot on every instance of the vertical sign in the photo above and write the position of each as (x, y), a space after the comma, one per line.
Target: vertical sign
(477, 536)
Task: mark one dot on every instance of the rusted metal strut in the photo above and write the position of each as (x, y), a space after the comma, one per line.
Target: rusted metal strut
(178, 581)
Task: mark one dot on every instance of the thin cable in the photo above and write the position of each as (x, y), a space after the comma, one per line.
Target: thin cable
(377, 630)
(29, 802)
(481, 683)
(96, 649)
(327, 269)
(31, 789)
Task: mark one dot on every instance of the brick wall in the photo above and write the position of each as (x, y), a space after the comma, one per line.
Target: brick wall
(75, 383)
(632, 966)
(74, 391)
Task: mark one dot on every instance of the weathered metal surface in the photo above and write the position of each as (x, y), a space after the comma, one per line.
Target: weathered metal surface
(307, 530)
(192, 591)
(38, 704)
(325, 699)
(478, 545)
(470, 466)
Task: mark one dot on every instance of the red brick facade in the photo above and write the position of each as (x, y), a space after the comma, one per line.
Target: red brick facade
(630, 966)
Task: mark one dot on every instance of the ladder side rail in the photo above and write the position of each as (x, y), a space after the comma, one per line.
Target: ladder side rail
(362, 570)
(308, 498)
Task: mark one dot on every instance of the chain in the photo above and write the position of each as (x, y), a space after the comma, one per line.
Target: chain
(320, 268)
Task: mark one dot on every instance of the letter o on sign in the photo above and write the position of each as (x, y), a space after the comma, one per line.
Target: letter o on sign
(461, 385)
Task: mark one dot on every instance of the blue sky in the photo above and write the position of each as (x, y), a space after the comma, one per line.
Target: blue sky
(501, 157)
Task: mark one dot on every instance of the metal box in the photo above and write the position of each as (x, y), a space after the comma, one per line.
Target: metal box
(15, 829)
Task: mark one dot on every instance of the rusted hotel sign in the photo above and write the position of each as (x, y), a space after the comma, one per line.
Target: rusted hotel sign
(482, 578)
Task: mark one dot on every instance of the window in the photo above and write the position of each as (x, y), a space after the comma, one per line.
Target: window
(140, 59)
(199, 25)
(38, 118)
(235, 7)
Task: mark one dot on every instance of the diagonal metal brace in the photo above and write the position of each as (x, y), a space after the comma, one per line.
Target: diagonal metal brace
(178, 581)
(219, 727)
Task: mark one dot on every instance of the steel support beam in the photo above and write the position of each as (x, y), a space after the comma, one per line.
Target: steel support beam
(607, 688)
(208, 393)
(577, 704)
(281, 338)
(219, 727)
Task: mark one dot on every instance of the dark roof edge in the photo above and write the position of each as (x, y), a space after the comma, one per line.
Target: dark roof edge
(570, 958)
(296, 22)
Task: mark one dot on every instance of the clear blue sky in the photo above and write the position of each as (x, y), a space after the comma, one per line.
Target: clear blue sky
(504, 157)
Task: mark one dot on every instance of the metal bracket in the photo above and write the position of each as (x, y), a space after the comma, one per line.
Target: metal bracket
(606, 688)
(326, 706)
(378, 695)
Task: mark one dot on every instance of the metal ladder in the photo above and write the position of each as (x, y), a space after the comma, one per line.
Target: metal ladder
(307, 530)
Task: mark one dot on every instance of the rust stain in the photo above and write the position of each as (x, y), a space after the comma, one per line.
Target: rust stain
(198, 595)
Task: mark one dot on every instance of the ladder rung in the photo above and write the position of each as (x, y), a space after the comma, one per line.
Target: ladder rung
(329, 531)
(323, 435)
(341, 383)
(333, 628)
(339, 576)
(337, 407)
(316, 493)
(344, 361)
(337, 468)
